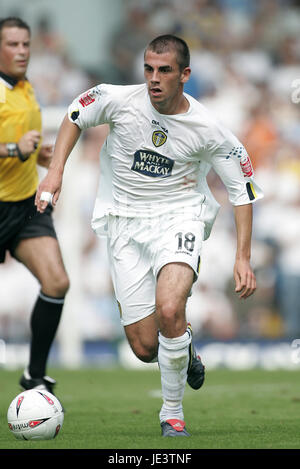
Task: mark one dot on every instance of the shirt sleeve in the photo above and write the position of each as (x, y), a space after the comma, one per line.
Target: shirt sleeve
(232, 163)
(91, 108)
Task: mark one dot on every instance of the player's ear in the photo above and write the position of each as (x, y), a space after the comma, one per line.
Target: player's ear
(185, 74)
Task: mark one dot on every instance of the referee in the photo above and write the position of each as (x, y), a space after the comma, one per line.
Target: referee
(29, 236)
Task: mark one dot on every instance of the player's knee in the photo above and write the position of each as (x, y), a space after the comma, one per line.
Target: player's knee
(146, 356)
(168, 311)
(171, 316)
(145, 353)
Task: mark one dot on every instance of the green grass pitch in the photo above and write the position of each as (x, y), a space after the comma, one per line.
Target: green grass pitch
(118, 409)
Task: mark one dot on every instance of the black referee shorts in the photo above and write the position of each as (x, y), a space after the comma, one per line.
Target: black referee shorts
(20, 220)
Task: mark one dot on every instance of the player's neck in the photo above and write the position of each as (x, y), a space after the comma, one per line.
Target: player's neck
(178, 106)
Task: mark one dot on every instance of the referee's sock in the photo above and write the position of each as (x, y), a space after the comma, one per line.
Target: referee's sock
(44, 322)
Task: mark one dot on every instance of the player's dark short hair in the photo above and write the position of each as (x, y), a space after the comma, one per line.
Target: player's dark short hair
(13, 22)
(168, 42)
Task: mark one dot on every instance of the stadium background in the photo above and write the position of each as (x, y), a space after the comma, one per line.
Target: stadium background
(246, 69)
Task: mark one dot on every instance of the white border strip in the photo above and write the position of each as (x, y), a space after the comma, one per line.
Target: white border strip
(49, 299)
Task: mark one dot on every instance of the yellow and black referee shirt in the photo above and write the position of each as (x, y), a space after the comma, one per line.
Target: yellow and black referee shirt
(19, 113)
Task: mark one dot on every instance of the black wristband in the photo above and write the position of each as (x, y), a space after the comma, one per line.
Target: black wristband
(20, 155)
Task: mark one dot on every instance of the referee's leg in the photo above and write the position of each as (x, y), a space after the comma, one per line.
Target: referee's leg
(42, 256)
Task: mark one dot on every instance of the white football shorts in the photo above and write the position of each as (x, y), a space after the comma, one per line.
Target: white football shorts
(139, 247)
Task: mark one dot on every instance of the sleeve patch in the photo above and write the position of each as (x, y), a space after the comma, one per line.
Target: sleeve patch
(250, 190)
(74, 115)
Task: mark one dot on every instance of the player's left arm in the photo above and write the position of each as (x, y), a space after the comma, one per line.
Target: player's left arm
(232, 163)
(245, 281)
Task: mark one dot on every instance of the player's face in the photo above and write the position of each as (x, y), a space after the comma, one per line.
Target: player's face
(165, 81)
(14, 51)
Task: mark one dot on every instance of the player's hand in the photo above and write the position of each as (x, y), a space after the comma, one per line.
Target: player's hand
(28, 143)
(245, 281)
(48, 190)
(45, 155)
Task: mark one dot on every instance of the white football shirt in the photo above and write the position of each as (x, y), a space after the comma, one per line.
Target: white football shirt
(152, 163)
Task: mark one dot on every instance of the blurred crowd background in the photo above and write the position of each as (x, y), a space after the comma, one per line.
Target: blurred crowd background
(245, 59)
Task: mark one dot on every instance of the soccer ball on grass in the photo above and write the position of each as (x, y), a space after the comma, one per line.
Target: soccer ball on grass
(35, 415)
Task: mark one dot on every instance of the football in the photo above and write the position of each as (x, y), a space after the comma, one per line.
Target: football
(35, 415)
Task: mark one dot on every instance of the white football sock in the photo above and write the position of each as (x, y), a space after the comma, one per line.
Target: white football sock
(173, 359)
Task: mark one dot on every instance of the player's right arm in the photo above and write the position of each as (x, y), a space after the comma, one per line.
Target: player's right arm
(67, 137)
